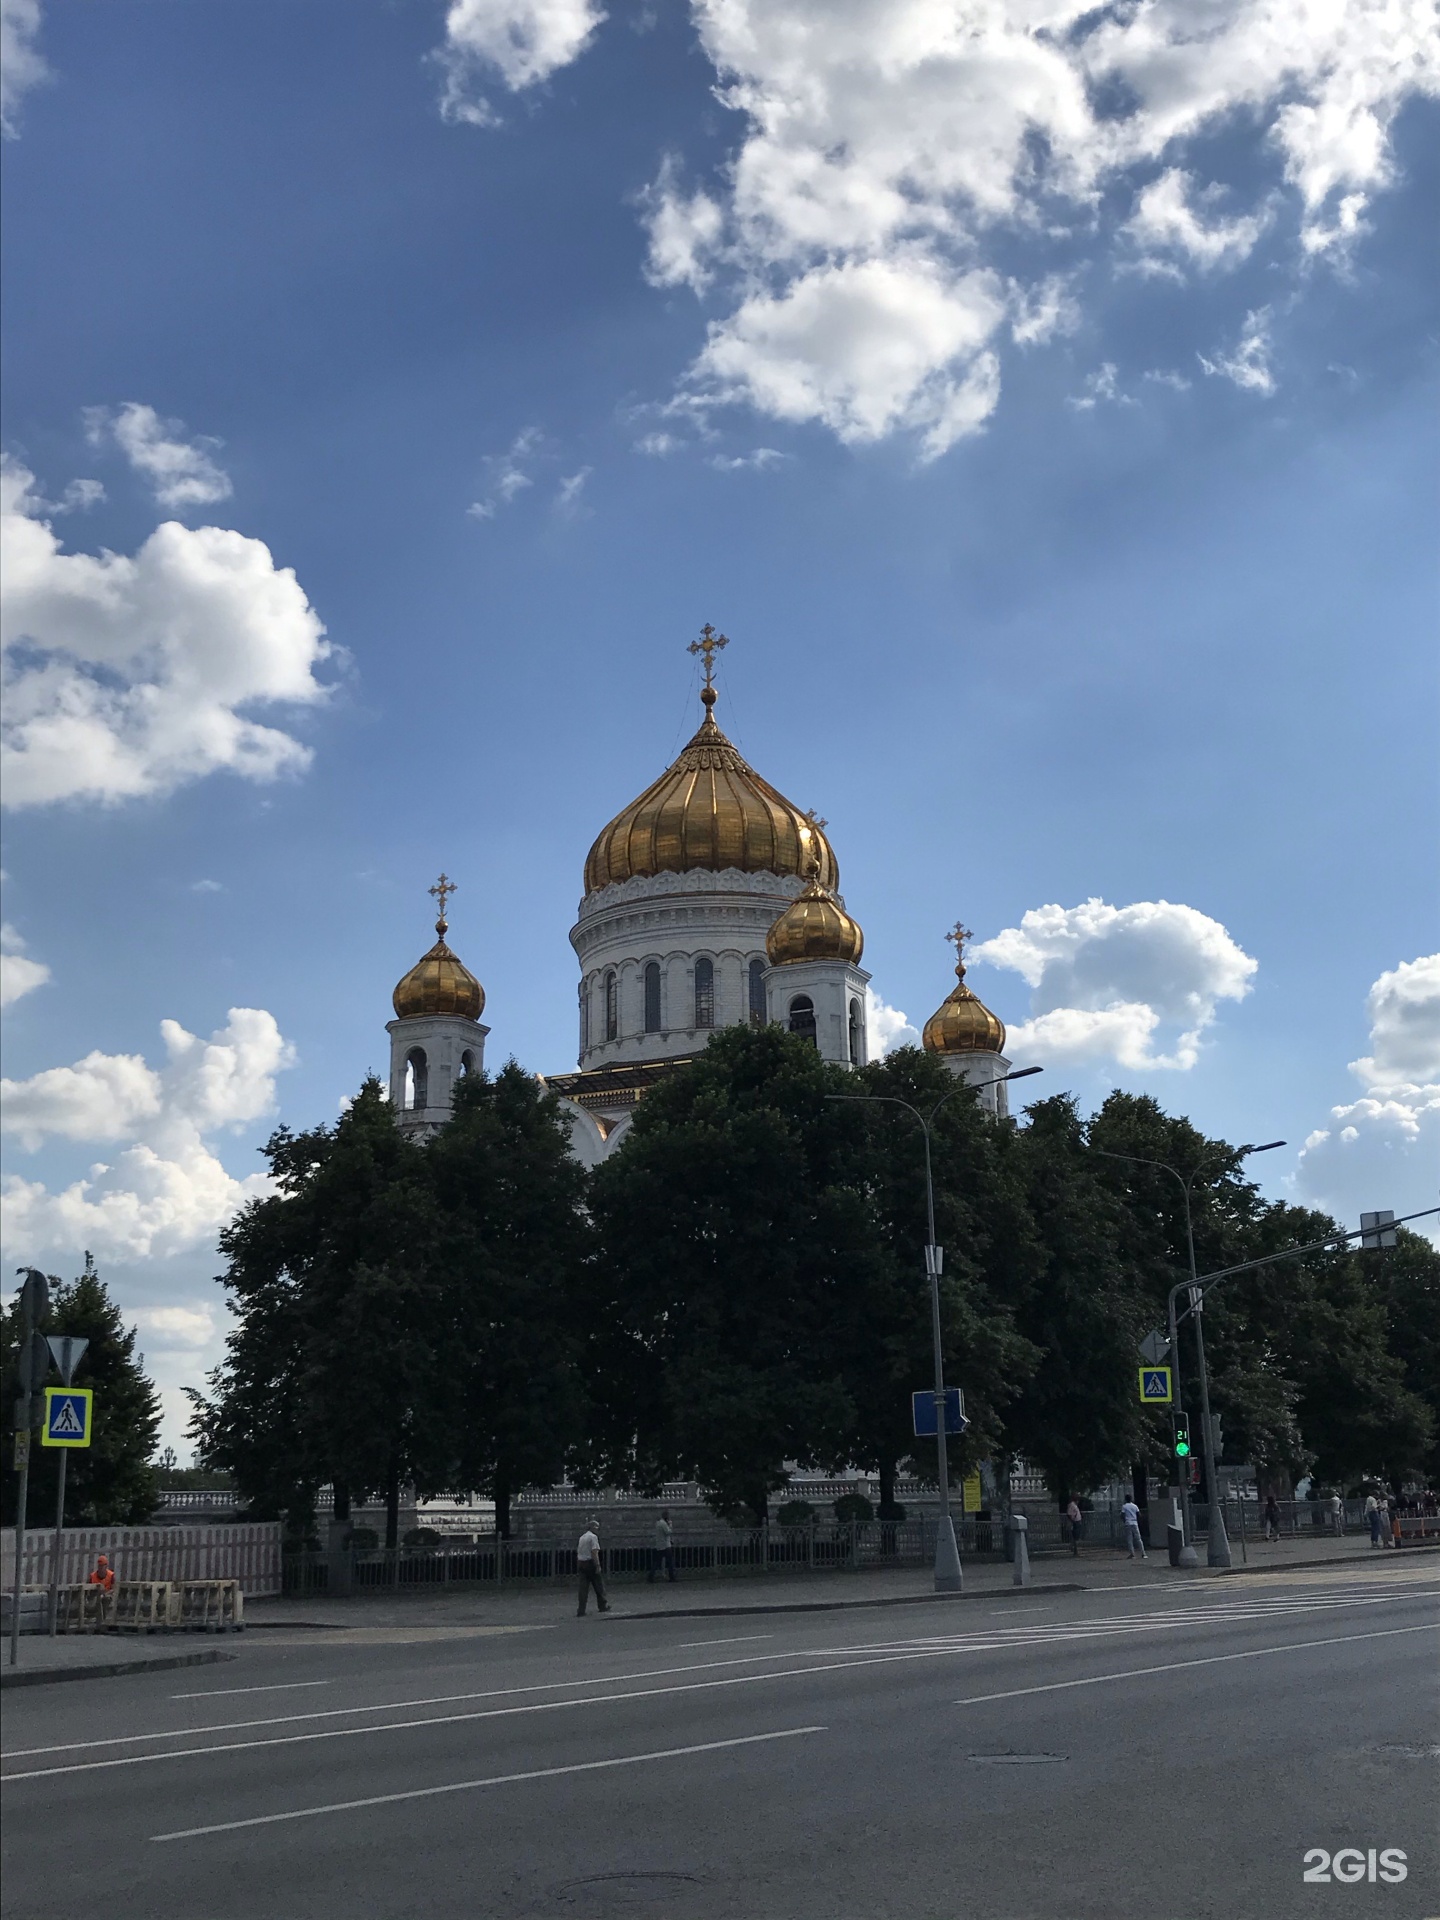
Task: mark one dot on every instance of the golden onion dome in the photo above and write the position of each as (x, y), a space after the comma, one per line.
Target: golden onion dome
(439, 982)
(709, 810)
(814, 927)
(962, 1023)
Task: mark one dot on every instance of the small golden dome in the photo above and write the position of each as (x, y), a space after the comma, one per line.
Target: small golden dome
(709, 810)
(439, 982)
(814, 927)
(963, 1023)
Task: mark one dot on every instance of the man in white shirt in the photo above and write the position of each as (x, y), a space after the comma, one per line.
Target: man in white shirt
(587, 1565)
(1130, 1514)
(664, 1554)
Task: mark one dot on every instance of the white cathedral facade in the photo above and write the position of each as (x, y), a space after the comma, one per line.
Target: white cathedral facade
(710, 901)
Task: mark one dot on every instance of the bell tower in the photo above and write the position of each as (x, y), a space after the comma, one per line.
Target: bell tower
(436, 1037)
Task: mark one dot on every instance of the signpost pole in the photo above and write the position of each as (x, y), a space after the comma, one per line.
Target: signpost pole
(34, 1300)
(65, 1351)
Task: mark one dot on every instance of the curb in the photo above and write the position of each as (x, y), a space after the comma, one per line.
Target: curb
(1328, 1560)
(841, 1606)
(43, 1676)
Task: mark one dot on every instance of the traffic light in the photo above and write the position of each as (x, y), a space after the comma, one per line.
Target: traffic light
(1182, 1436)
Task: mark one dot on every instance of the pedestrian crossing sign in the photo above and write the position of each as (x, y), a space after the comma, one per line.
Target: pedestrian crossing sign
(1155, 1387)
(67, 1416)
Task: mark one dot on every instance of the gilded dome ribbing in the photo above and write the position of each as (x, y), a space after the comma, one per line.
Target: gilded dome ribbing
(439, 983)
(709, 810)
(963, 1023)
(814, 927)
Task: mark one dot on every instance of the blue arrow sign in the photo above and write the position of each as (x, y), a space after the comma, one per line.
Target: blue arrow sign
(923, 1411)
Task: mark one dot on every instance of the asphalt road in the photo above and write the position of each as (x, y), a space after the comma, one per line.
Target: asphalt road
(1169, 1753)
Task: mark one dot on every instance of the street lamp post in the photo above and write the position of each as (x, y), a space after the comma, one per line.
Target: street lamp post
(948, 1575)
(1217, 1544)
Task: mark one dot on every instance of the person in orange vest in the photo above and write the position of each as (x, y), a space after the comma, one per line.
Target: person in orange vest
(103, 1575)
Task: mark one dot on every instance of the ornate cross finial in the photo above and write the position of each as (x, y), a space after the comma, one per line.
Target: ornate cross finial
(816, 820)
(709, 643)
(442, 890)
(960, 933)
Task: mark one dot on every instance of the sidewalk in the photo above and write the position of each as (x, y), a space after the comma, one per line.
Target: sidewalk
(544, 1603)
(96, 1656)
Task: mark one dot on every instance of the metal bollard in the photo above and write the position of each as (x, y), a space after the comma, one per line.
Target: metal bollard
(1020, 1526)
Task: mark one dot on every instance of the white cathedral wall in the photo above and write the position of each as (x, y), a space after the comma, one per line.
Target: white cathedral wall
(831, 985)
(673, 919)
(978, 1068)
(445, 1039)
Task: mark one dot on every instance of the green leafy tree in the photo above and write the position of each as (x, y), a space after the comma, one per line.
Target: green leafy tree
(112, 1482)
(329, 1374)
(1084, 1306)
(1407, 1277)
(724, 1241)
(879, 1338)
(512, 1264)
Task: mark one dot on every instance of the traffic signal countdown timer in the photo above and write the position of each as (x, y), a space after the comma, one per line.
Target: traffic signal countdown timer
(1182, 1436)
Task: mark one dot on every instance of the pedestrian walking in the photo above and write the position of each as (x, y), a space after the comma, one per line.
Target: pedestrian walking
(1077, 1521)
(587, 1564)
(1272, 1518)
(1337, 1514)
(1397, 1535)
(1372, 1515)
(1130, 1514)
(663, 1556)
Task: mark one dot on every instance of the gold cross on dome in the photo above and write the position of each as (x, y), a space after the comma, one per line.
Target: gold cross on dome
(816, 820)
(442, 890)
(709, 643)
(959, 933)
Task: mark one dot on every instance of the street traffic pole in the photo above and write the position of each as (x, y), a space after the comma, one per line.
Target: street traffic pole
(34, 1300)
(1217, 1541)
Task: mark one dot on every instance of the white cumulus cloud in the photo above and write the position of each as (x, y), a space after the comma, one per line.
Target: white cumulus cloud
(1108, 982)
(518, 42)
(889, 150)
(166, 1190)
(180, 470)
(19, 974)
(130, 675)
(21, 65)
(886, 1027)
(1383, 1149)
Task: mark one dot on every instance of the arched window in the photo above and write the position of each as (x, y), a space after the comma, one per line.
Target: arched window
(802, 1017)
(857, 1035)
(417, 1079)
(467, 1063)
(612, 1006)
(652, 996)
(757, 993)
(704, 993)
(584, 1016)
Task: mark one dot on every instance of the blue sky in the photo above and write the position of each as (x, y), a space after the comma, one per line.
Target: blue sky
(1046, 416)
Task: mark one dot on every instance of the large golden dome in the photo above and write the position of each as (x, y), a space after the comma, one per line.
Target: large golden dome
(814, 927)
(963, 1023)
(709, 810)
(439, 982)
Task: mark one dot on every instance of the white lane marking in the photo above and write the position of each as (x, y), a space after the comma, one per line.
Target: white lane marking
(1041, 1634)
(396, 1706)
(995, 1613)
(453, 1719)
(733, 1641)
(1208, 1660)
(277, 1686)
(494, 1780)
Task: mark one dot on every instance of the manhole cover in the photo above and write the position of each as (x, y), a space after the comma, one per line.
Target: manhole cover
(1018, 1759)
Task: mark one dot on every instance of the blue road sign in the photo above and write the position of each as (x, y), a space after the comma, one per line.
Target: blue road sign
(923, 1408)
(1155, 1389)
(67, 1417)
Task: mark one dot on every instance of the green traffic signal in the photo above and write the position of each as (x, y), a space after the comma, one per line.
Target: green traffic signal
(1182, 1437)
